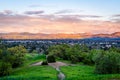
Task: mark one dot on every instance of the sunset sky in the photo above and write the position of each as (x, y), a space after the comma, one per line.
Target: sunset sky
(60, 16)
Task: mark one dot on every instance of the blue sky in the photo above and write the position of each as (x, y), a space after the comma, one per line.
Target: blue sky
(60, 16)
(98, 7)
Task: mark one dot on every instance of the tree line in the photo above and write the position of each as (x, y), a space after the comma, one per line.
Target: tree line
(105, 61)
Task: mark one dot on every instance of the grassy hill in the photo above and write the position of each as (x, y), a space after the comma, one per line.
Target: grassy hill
(75, 72)
(27, 72)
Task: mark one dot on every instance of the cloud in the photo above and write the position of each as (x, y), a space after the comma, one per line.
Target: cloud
(89, 16)
(54, 24)
(1, 14)
(13, 20)
(68, 18)
(41, 5)
(6, 12)
(35, 5)
(117, 15)
(71, 12)
(34, 12)
(68, 11)
(64, 11)
(61, 18)
(115, 18)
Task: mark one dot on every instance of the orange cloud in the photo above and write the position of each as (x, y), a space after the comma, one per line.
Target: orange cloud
(55, 24)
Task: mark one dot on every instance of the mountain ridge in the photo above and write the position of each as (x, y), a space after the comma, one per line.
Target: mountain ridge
(26, 35)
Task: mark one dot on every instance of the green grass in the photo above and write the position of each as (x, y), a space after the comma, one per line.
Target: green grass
(83, 72)
(33, 58)
(33, 73)
(27, 72)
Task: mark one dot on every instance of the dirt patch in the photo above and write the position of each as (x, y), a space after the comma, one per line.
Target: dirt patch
(37, 64)
(57, 64)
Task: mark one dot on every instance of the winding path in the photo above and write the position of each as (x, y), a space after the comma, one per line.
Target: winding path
(57, 65)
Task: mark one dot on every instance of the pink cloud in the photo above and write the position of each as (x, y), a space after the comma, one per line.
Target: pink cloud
(55, 24)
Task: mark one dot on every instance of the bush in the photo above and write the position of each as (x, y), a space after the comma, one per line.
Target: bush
(88, 61)
(5, 69)
(74, 59)
(51, 58)
(107, 63)
(90, 57)
(44, 63)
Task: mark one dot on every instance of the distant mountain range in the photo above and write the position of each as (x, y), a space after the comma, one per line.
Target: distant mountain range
(26, 35)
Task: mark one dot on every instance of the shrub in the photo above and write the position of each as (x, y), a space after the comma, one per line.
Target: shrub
(74, 59)
(44, 63)
(51, 58)
(90, 57)
(88, 61)
(107, 63)
(5, 69)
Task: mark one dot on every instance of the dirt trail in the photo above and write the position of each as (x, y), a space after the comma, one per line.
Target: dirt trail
(57, 65)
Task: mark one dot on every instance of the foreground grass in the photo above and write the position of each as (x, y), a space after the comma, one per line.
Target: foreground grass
(27, 72)
(83, 72)
(33, 73)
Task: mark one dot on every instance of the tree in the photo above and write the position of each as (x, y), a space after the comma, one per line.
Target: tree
(59, 51)
(107, 63)
(17, 55)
